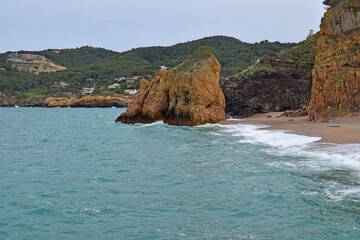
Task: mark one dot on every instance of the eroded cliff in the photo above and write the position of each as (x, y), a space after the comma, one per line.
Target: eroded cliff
(278, 82)
(186, 95)
(336, 82)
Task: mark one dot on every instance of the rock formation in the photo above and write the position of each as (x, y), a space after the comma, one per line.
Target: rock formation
(336, 85)
(5, 101)
(186, 95)
(278, 82)
(87, 101)
(34, 101)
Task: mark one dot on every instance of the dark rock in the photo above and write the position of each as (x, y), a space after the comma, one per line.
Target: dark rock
(278, 82)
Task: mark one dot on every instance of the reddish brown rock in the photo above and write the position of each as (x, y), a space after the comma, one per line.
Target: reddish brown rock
(336, 76)
(186, 95)
(87, 101)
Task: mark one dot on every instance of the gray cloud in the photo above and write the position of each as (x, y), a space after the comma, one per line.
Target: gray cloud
(124, 24)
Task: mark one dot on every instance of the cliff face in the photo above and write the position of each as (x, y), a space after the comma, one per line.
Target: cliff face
(87, 101)
(186, 95)
(5, 101)
(336, 86)
(278, 82)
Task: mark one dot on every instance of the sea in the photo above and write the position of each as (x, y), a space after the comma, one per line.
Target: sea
(72, 173)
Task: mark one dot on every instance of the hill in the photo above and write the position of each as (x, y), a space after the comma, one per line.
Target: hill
(103, 65)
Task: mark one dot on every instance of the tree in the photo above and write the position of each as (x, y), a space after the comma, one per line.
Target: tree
(311, 34)
(330, 2)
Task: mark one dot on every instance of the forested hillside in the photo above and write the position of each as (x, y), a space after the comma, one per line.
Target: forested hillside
(104, 65)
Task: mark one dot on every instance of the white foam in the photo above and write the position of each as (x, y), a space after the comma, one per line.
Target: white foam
(286, 143)
(152, 124)
(90, 210)
(255, 134)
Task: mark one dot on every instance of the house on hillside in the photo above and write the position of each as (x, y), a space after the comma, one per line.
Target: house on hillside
(120, 79)
(86, 91)
(65, 94)
(62, 84)
(130, 91)
(113, 86)
(163, 68)
(132, 79)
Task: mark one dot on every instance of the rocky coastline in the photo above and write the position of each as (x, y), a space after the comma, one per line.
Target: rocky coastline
(89, 101)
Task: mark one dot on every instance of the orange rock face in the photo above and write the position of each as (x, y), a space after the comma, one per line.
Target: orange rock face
(186, 95)
(87, 101)
(336, 76)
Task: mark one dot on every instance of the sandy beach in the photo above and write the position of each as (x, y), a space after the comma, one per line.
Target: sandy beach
(342, 131)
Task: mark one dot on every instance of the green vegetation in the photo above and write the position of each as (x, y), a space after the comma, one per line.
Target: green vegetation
(201, 53)
(78, 56)
(303, 53)
(103, 65)
(331, 2)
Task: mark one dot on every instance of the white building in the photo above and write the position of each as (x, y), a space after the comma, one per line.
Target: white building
(163, 67)
(120, 79)
(130, 91)
(62, 84)
(85, 91)
(113, 86)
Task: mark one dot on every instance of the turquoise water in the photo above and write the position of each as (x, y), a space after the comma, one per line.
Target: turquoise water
(74, 174)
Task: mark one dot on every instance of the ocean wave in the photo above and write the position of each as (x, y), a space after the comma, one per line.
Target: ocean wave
(151, 124)
(288, 143)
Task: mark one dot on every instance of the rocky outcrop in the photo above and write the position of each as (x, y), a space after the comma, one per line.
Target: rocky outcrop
(278, 82)
(34, 101)
(186, 95)
(336, 86)
(5, 101)
(87, 101)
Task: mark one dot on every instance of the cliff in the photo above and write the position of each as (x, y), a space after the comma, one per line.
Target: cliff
(5, 101)
(187, 95)
(278, 82)
(336, 85)
(87, 101)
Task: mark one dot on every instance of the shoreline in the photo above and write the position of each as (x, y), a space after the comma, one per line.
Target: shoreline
(344, 130)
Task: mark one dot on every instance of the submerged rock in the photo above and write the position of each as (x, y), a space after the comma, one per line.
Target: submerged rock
(278, 82)
(336, 86)
(187, 95)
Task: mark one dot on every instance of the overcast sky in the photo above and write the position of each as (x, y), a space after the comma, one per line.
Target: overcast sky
(125, 24)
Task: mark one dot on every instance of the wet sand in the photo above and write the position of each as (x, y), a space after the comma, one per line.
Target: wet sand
(342, 131)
